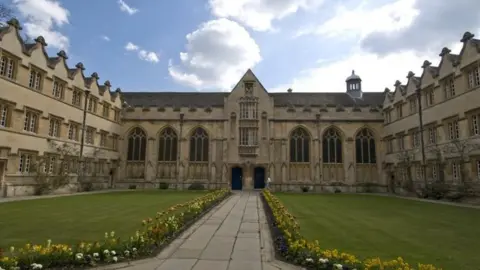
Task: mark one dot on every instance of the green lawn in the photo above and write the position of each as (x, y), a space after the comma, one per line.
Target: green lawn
(78, 218)
(369, 226)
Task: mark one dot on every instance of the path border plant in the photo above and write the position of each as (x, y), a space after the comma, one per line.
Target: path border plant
(290, 246)
(154, 235)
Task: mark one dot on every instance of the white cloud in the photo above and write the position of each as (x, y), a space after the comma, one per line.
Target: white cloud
(42, 17)
(148, 56)
(106, 38)
(411, 43)
(259, 14)
(361, 21)
(126, 8)
(217, 54)
(377, 72)
(142, 54)
(131, 47)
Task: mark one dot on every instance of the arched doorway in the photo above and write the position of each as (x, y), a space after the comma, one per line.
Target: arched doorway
(259, 178)
(237, 181)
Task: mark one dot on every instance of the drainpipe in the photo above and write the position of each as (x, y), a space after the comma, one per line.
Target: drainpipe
(82, 139)
(179, 148)
(422, 140)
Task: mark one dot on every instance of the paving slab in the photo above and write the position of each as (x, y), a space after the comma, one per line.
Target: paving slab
(233, 236)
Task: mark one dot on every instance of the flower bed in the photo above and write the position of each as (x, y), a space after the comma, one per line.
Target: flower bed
(155, 234)
(291, 247)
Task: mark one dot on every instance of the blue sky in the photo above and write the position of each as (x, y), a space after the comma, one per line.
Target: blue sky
(309, 45)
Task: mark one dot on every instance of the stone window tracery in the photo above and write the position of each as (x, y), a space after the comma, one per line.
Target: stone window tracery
(299, 146)
(365, 147)
(137, 145)
(199, 146)
(167, 145)
(332, 146)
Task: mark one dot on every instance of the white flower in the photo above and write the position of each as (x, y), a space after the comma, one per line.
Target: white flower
(338, 266)
(113, 253)
(115, 259)
(106, 235)
(134, 249)
(36, 266)
(1, 268)
(79, 256)
(95, 254)
(309, 260)
(106, 252)
(322, 260)
(126, 252)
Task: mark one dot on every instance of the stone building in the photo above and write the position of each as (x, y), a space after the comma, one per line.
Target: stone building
(445, 102)
(42, 105)
(321, 140)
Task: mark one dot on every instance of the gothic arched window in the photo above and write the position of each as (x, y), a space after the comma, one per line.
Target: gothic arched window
(332, 146)
(137, 145)
(199, 145)
(299, 145)
(167, 145)
(365, 147)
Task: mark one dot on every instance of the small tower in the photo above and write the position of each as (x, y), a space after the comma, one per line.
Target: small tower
(354, 85)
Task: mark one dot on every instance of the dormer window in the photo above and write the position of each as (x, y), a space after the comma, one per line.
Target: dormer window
(92, 104)
(8, 66)
(449, 87)
(474, 77)
(35, 79)
(413, 105)
(77, 97)
(58, 90)
(106, 110)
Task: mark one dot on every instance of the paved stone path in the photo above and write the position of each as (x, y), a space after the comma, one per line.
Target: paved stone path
(233, 236)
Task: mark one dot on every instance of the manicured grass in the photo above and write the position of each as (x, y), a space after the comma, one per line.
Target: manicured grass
(386, 227)
(78, 218)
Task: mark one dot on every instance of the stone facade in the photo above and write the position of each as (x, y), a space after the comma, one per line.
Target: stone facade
(249, 134)
(322, 140)
(444, 102)
(42, 104)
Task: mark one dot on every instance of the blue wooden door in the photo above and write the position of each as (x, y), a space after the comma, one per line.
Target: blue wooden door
(236, 178)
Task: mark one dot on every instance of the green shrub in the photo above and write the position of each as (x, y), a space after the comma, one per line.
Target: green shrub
(163, 185)
(196, 186)
(305, 189)
(86, 187)
(132, 187)
(438, 191)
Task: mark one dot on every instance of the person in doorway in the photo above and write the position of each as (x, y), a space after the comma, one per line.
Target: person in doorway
(268, 182)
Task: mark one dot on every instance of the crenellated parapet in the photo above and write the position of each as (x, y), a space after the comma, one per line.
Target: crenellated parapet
(35, 54)
(450, 65)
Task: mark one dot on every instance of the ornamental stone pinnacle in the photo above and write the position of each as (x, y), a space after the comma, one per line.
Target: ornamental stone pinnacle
(467, 36)
(62, 54)
(426, 64)
(41, 40)
(79, 65)
(14, 22)
(444, 51)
